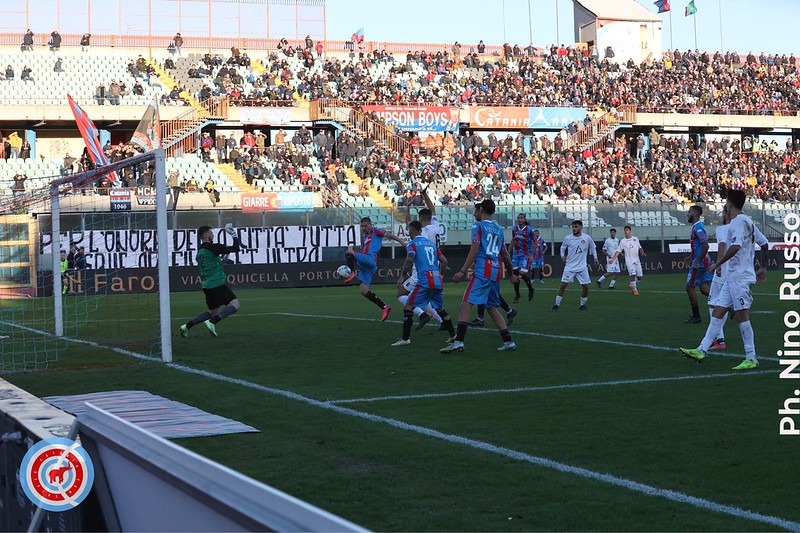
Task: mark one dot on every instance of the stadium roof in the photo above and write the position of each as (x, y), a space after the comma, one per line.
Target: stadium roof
(627, 10)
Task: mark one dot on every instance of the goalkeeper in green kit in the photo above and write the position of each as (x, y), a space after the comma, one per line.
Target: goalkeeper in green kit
(218, 294)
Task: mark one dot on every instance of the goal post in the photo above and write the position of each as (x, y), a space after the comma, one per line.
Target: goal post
(163, 255)
(157, 158)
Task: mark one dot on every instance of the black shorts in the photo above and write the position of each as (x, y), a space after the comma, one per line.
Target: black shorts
(219, 296)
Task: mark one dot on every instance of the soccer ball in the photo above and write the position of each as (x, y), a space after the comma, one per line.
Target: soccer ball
(344, 271)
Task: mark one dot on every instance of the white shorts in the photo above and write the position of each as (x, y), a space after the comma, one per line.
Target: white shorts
(612, 267)
(634, 269)
(716, 288)
(736, 295)
(410, 283)
(582, 276)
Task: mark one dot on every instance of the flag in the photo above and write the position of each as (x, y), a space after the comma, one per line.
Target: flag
(148, 133)
(358, 36)
(92, 138)
(662, 5)
(690, 9)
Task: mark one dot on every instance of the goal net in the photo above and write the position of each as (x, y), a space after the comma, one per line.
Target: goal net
(84, 282)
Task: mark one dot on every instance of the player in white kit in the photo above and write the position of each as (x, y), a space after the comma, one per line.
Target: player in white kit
(735, 294)
(612, 266)
(632, 248)
(574, 252)
(431, 230)
(719, 281)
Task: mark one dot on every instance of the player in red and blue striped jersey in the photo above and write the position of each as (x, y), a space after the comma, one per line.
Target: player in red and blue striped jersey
(699, 276)
(522, 252)
(537, 258)
(364, 262)
(427, 260)
(487, 250)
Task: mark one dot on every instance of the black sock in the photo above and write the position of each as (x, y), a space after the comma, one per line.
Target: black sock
(696, 310)
(541, 275)
(199, 319)
(504, 305)
(481, 309)
(350, 259)
(462, 331)
(527, 281)
(516, 289)
(372, 297)
(447, 322)
(506, 335)
(408, 321)
(225, 313)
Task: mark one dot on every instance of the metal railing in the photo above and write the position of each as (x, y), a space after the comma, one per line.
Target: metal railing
(341, 111)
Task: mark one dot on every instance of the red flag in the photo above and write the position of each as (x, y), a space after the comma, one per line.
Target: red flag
(91, 138)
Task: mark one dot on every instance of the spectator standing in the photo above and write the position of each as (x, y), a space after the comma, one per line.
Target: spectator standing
(27, 41)
(481, 47)
(25, 150)
(55, 41)
(173, 182)
(100, 94)
(16, 143)
(86, 41)
(222, 152)
(177, 42)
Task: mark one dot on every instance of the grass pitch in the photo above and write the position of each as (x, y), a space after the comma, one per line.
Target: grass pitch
(595, 423)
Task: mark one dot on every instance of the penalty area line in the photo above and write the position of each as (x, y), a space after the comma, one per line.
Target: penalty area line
(544, 462)
(545, 387)
(532, 334)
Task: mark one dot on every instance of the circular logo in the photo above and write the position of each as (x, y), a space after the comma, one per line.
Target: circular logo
(56, 474)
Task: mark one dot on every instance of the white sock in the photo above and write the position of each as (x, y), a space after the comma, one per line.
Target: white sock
(633, 284)
(748, 337)
(713, 327)
(558, 299)
(583, 300)
(418, 311)
(613, 282)
(431, 311)
(602, 278)
(721, 334)
(403, 299)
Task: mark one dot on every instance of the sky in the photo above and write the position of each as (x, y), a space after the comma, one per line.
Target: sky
(765, 25)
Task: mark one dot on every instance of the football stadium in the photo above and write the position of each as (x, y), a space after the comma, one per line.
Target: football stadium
(320, 265)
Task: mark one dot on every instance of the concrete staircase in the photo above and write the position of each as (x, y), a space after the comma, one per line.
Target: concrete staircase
(169, 82)
(236, 177)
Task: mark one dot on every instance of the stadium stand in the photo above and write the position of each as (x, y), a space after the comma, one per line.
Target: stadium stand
(83, 74)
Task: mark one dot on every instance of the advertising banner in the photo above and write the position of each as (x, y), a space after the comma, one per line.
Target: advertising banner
(524, 117)
(110, 249)
(273, 201)
(418, 118)
(120, 199)
(274, 116)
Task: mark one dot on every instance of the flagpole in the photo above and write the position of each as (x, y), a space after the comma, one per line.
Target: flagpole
(721, 46)
(671, 44)
(694, 17)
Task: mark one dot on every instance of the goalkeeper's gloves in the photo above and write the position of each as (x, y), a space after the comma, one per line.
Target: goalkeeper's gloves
(230, 230)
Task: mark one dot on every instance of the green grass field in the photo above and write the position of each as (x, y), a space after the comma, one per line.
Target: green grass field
(595, 423)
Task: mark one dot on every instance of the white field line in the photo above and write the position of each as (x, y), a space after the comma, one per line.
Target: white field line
(82, 341)
(545, 387)
(532, 334)
(634, 486)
